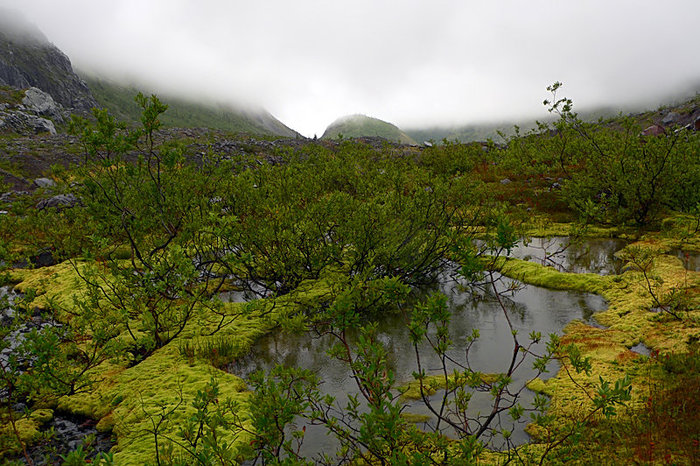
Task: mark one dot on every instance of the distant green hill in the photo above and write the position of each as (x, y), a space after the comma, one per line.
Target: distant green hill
(357, 126)
(119, 100)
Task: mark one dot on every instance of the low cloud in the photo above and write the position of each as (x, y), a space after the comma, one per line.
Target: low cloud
(413, 63)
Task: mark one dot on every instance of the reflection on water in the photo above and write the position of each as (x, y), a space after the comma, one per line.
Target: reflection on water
(587, 256)
(530, 309)
(691, 260)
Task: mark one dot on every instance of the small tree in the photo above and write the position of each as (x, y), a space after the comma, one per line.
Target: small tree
(148, 206)
(625, 175)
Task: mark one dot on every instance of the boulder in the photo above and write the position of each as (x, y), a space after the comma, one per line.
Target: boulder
(653, 130)
(42, 125)
(60, 201)
(44, 183)
(42, 104)
(43, 259)
(25, 124)
(671, 118)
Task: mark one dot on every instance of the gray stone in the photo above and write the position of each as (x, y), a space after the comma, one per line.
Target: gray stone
(25, 123)
(11, 196)
(42, 103)
(671, 118)
(43, 259)
(61, 201)
(42, 125)
(505, 181)
(44, 183)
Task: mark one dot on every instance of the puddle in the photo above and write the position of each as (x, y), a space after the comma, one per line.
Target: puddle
(691, 260)
(529, 308)
(590, 255)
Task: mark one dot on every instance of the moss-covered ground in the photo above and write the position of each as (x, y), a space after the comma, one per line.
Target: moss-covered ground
(128, 400)
(639, 433)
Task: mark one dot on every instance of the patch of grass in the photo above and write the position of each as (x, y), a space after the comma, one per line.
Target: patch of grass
(10, 95)
(219, 351)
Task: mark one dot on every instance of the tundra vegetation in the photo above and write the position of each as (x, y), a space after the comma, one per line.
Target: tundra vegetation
(129, 327)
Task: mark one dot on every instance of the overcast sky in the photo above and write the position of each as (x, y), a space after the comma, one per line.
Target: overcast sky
(414, 63)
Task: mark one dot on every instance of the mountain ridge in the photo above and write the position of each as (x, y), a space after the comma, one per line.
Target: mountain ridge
(28, 59)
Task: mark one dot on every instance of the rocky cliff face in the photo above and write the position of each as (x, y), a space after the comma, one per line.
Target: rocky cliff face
(28, 59)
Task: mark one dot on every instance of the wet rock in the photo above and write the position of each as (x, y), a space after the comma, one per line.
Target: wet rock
(42, 104)
(44, 183)
(25, 124)
(11, 196)
(641, 348)
(653, 130)
(671, 118)
(61, 201)
(69, 433)
(43, 259)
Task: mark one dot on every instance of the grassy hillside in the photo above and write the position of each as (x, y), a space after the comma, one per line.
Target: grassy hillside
(119, 100)
(356, 126)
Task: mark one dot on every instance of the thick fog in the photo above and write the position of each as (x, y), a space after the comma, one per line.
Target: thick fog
(414, 63)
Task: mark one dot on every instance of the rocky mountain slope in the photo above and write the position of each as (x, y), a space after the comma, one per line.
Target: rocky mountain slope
(183, 113)
(358, 126)
(28, 59)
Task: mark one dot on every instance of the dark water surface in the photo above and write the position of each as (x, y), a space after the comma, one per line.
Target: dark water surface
(529, 308)
(691, 260)
(591, 255)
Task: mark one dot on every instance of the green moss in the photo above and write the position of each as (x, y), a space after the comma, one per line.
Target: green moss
(412, 390)
(629, 320)
(540, 386)
(42, 416)
(59, 283)
(125, 400)
(542, 226)
(433, 383)
(28, 428)
(414, 418)
(539, 275)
